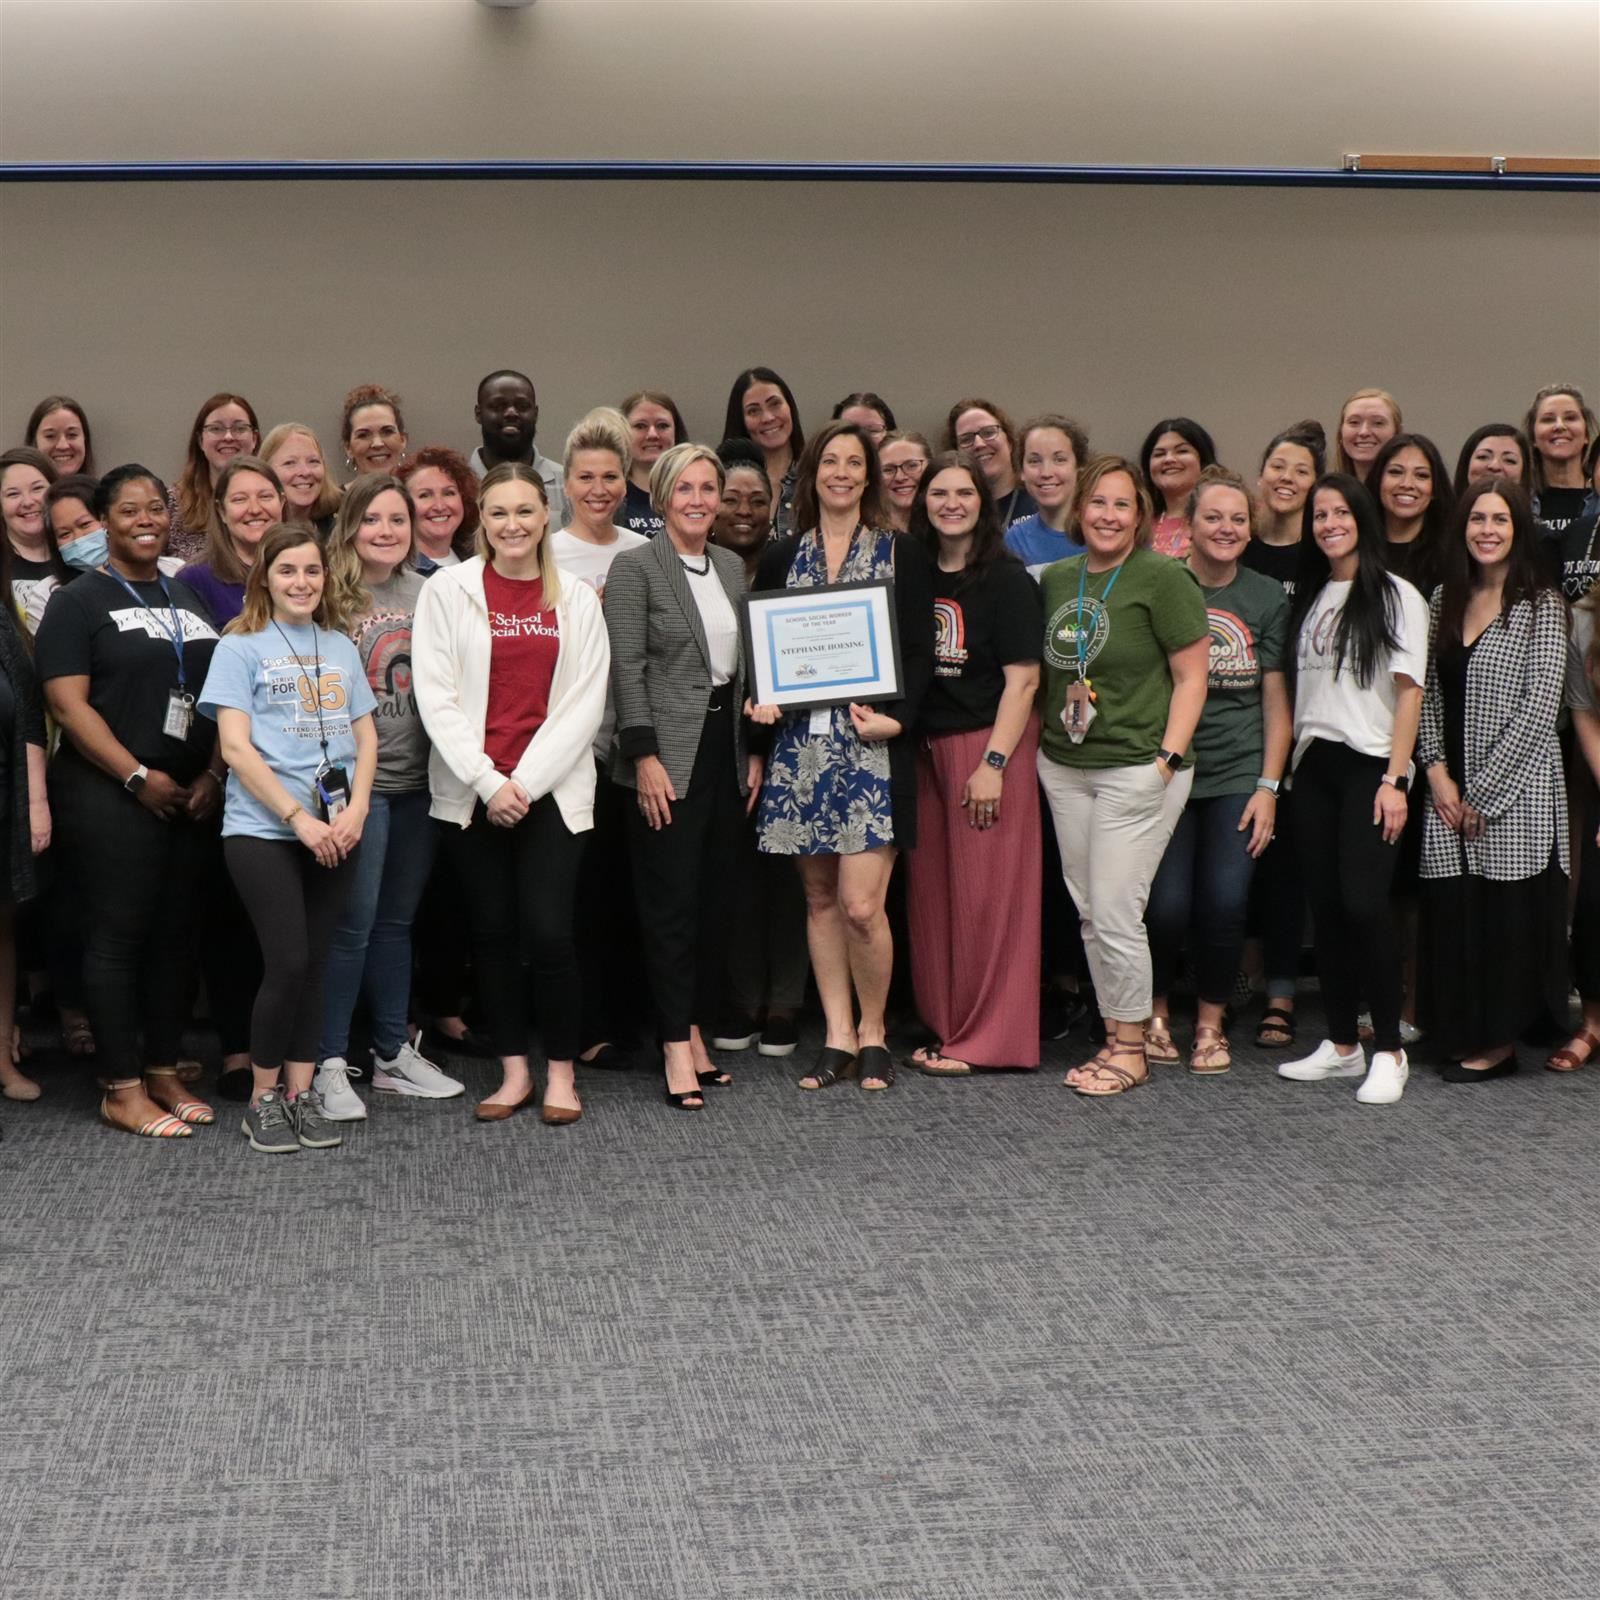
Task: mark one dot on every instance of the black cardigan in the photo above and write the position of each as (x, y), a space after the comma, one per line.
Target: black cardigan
(913, 605)
(27, 728)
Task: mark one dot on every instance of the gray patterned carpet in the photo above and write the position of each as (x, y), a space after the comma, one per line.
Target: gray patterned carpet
(972, 1340)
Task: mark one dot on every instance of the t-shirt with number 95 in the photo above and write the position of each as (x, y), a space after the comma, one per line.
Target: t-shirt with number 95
(299, 684)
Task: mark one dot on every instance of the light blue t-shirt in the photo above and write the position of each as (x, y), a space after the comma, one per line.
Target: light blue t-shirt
(273, 676)
(1036, 544)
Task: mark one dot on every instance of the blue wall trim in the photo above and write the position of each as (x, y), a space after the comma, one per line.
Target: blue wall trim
(778, 171)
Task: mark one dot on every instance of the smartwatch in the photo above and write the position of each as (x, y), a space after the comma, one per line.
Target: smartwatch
(1271, 785)
(1173, 760)
(134, 782)
(995, 760)
(1402, 782)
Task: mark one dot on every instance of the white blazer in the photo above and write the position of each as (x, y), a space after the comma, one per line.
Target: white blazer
(450, 668)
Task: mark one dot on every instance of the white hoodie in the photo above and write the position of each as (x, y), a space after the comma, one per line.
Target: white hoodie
(450, 647)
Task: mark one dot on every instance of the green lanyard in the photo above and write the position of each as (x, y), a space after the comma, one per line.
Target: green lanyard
(1105, 600)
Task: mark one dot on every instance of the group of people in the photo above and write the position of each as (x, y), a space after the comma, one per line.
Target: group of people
(473, 745)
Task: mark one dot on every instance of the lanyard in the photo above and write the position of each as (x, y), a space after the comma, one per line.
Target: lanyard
(1105, 600)
(175, 638)
(316, 682)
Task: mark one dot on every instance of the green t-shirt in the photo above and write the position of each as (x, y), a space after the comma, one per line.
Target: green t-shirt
(1155, 608)
(1249, 637)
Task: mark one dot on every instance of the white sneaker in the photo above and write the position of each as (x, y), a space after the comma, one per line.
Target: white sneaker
(340, 1103)
(1386, 1082)
(412, 1073)
(1325, 1062)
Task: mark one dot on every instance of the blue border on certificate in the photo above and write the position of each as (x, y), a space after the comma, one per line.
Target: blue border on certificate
(832, 683)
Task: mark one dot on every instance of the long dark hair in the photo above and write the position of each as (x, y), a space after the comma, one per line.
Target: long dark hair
(733, 424)
(62, 402)
(807, 508)
(1429, 543)
(1367, 628)
(23, 455)
(988, 534)
(1460, 574)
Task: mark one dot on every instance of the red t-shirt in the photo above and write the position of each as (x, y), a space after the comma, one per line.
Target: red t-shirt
(524, 642)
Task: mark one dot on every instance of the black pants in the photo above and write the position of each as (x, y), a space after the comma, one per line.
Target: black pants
(294, 904)
(1348, 872)
(520, 885)
(681, 875)
(442, 936)
(1278, 906)
(138, 884)
(1586, 911)
(607, 929)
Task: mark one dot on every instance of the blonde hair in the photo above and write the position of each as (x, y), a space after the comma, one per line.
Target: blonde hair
(328, 497)
(1098, 467)
(1342, 462)
(605, 428)
(346, 584)
(672, 464)
(519, 472)
(256, 613)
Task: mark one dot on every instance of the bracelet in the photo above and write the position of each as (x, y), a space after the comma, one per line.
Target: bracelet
(291, 814)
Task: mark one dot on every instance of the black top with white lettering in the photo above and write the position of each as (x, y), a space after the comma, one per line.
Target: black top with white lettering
(981, 625)
(94, 629)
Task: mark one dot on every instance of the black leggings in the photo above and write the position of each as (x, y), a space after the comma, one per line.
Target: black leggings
(138, 889)
(1586, 912)
(295, 905)
(520, 885)
(1348, 871)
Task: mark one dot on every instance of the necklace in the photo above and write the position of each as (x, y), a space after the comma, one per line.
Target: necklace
(700, 571)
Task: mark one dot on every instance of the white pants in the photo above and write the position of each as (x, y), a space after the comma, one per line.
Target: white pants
(1113, 826)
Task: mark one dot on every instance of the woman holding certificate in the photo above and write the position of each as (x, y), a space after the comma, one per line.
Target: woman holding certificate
(840, 793)
(1126, 649)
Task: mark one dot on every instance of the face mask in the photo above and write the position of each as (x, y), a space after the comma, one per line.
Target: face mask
(86, 552)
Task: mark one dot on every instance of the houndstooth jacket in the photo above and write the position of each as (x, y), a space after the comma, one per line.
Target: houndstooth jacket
(1514, 779)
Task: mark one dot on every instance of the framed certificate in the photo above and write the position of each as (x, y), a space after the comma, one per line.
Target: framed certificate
(823, 646)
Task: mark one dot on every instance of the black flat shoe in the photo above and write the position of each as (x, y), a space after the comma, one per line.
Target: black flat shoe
(1454, 1072)
(833, 1066)
(878, 1065)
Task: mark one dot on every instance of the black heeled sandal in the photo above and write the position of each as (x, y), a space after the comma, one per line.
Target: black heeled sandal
(715, 1077)
(877, 1068)
(832, 1066)
(689, 1100)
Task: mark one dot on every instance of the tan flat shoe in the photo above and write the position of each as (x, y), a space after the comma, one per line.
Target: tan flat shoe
(560, 1116)
(499, 1110)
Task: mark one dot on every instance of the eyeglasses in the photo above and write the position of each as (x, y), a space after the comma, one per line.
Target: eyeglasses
(221, 430)
(904, 469)
(965, 441)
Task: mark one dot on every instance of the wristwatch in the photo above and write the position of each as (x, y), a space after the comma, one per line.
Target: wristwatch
(1173, 760)
(1271, 785)
(995, 760)
(1399, 781)
(134, 782)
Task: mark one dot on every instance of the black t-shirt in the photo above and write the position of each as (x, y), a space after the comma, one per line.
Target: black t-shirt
(94, 629)
(1414, 561)
(1577, 556)
(1016, 507)
(1559, 508)
(638, 515)
(1276, 561)
(981, 625)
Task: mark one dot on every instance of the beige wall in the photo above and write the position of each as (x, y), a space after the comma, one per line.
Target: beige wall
(1246, 308)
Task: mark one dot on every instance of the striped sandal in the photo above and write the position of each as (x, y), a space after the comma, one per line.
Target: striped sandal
(195, 1112)
(166, 1126)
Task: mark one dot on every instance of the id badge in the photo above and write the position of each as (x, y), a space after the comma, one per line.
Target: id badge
(1079, 712)
(821, 723)
(330, 790)
(180, 715)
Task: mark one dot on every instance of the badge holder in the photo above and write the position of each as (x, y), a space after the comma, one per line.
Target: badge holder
(330, 790)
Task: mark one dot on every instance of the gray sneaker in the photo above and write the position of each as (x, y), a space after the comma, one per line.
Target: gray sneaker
(311, 1125)
(269, 1127)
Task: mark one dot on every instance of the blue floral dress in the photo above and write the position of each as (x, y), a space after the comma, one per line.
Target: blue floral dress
(828, 794)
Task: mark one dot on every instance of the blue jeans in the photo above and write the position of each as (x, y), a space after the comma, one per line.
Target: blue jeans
(371, 951)
(1204, 885)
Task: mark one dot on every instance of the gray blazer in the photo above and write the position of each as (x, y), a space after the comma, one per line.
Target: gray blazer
(660, 664)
